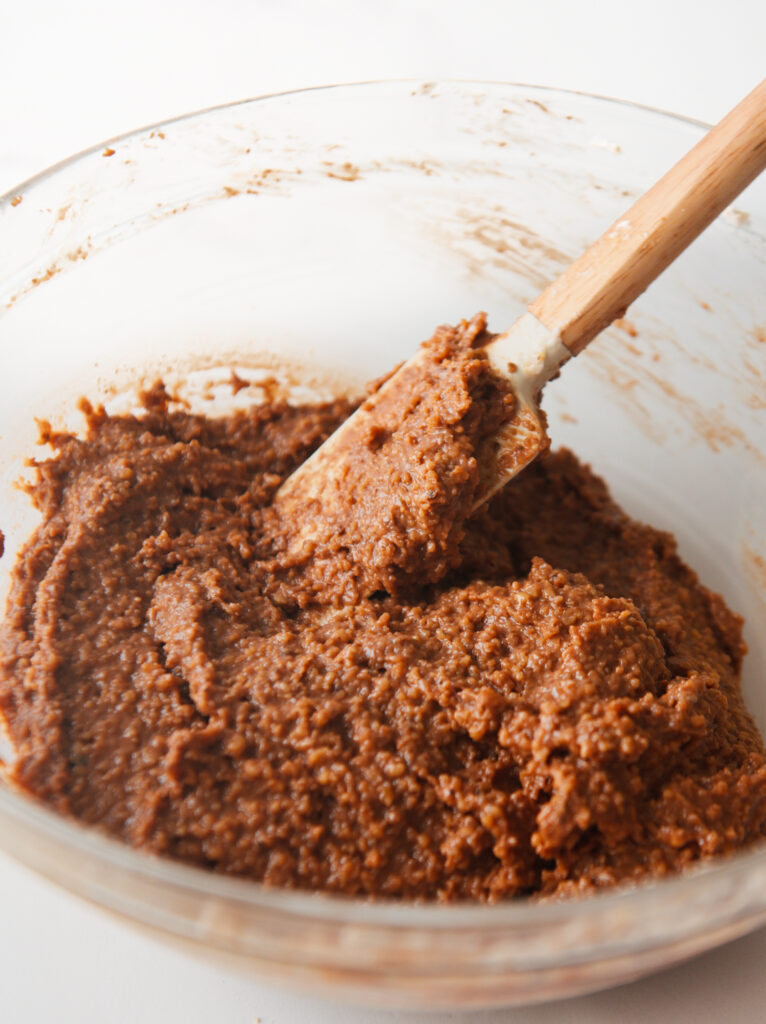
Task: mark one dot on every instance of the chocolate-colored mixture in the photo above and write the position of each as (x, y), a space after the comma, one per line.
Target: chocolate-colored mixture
(546, 700)
(387, 510)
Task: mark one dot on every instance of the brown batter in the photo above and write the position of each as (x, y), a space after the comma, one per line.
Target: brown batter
(545, 701)
(388, 509)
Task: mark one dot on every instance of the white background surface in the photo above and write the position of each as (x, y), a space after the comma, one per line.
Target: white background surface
(74, 73)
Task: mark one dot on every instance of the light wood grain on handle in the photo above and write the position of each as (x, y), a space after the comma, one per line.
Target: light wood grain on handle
(601, 284)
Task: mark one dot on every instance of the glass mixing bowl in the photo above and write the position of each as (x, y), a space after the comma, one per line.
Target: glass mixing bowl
(320, 235)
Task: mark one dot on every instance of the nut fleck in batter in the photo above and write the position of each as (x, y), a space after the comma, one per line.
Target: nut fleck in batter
(545, 700)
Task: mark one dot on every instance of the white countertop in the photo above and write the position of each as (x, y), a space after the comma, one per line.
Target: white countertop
(72, 74)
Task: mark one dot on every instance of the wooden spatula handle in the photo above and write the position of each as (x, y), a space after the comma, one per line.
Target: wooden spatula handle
(601, 284)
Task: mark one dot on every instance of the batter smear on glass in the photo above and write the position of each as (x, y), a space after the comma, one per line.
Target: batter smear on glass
(536, 698)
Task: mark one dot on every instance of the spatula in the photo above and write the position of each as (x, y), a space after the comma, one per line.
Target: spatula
(595, 290)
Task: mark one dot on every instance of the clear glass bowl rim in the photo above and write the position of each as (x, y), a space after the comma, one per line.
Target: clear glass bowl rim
(547, 90)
